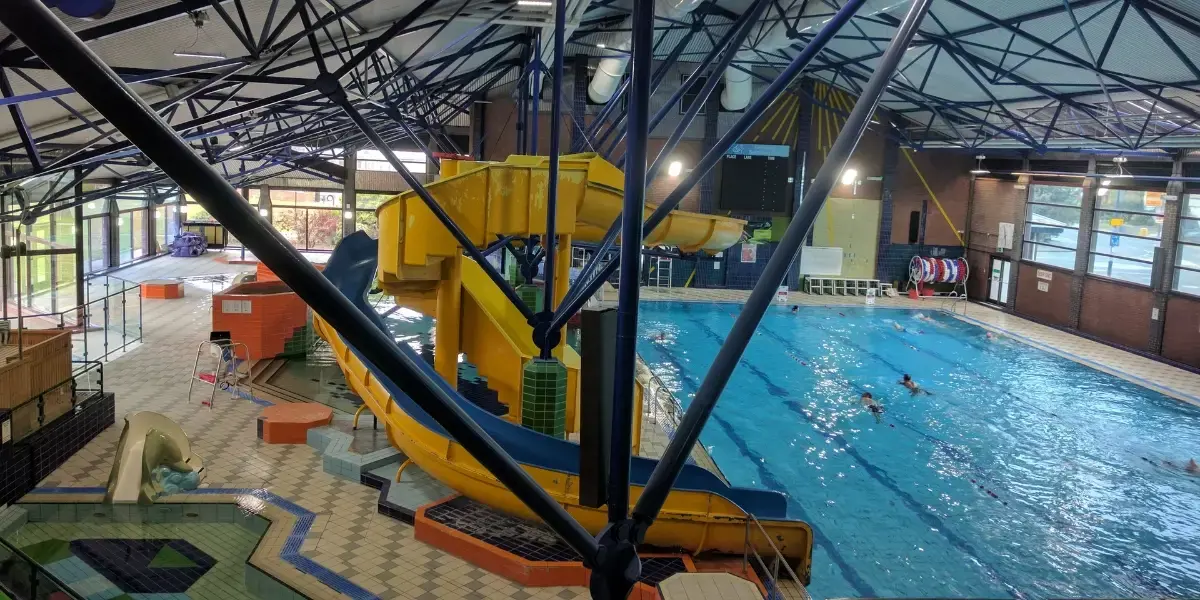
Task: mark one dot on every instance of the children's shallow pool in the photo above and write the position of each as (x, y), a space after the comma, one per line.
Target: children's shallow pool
(1022, 474)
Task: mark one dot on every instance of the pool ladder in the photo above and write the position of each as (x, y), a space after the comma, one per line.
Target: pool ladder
(950, 305)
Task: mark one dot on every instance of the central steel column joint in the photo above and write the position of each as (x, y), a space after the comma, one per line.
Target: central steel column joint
(618, 565)
(655, 493)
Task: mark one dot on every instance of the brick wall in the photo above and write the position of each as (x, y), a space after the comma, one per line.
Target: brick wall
(995, 201)
(1052, 306)
(947, 174)
(266, 316)
(980, 264)
(1181, 336)
(1116, 312)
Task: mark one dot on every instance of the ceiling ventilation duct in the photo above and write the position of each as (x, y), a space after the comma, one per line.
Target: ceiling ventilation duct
(772, 36)
(610, 70)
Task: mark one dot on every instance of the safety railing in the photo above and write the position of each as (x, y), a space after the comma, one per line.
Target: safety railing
(105, 325)
(85, 384)
(22, 578)
(790, 588)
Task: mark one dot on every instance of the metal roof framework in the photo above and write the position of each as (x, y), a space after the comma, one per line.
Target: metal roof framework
(1030, 75)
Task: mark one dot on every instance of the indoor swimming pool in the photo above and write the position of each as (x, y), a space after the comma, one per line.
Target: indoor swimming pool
(1022, 473)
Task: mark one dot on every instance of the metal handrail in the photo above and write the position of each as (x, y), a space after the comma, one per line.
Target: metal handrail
(773, 591)
(656, 387)
(37, 576)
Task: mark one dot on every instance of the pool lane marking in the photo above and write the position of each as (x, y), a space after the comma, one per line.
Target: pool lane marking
(849, 574)
(881, 476)
(289, 553)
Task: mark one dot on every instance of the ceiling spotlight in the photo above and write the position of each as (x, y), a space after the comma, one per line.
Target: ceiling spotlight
(675, 168)
(542, 3)
(849, 176)
(601, 46)
(1105, 182)
(979, 170)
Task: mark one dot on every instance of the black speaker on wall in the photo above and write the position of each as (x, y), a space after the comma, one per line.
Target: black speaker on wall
(598, 350)
(914, 226)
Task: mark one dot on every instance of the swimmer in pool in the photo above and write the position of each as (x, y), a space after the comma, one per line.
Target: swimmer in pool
(873, 406)
(898, 327)
(913, 387)
(1191, 467)
(928, 319)
(795, 309)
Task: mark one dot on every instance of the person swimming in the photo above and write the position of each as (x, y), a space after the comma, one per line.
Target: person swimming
(913, 387)
(795, 308)
(898, 327)
(869, 401)
(1191, 467)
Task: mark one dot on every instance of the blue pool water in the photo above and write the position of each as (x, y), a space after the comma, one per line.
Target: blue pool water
(1024, 474)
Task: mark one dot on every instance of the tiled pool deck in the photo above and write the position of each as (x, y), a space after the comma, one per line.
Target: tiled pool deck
(326, 533)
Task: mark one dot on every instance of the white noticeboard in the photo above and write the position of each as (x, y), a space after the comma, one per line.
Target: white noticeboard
(1004, 239)
(781, 294)
(818, 260)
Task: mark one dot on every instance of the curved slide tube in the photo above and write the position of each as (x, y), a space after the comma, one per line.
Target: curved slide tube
(701, 514)
(149, 442)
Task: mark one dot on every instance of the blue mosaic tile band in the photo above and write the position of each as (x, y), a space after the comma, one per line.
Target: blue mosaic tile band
(291, 547)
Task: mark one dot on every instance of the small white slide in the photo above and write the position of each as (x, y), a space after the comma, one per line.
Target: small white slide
(149, 441)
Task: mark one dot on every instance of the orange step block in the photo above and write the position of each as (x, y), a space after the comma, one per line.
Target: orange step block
(162, 289)
(289, 423)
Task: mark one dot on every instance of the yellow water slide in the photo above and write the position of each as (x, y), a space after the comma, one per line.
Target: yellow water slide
(421, 264)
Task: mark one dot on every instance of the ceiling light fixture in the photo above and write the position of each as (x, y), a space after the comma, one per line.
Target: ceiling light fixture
(542, 3)
(198, 18)
(979, 170)
(675, 168)
(849, 176)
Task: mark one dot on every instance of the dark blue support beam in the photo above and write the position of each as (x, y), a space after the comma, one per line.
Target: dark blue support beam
(535, 91)
(640, 85)
(546, 343)
(18, 119)
(696, 415)
(619, 565)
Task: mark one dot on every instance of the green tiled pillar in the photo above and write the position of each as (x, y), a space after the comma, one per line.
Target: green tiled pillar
(544, 397)
(531, 295)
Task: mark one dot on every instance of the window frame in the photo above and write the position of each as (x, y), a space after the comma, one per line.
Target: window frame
(1026, 230)
(1180, 244)
(1093, 251)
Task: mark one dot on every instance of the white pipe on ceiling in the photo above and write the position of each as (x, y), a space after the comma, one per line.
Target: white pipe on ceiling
(610, 70)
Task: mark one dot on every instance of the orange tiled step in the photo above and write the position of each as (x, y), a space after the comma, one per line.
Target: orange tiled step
(162, 289)
(289, 423)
